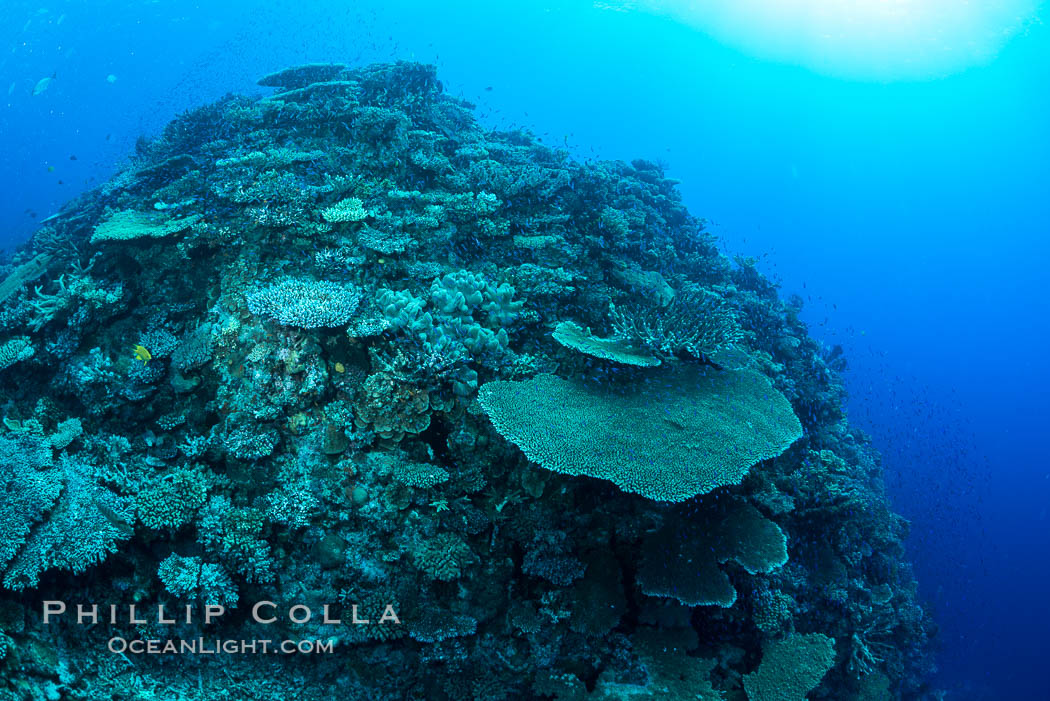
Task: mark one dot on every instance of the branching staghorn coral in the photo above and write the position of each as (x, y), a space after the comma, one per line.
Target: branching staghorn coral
(14, 350)
(697, 324)
(306, 304)
(871, 644)
(80, 290)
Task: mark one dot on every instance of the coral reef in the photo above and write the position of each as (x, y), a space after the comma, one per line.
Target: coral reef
(330, 352)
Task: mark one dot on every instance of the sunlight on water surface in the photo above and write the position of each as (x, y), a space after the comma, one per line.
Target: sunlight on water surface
(858, 39)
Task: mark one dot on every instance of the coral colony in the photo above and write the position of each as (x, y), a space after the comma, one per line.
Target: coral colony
(344, 351)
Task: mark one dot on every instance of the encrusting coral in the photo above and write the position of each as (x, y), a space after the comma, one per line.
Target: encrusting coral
(344, 345)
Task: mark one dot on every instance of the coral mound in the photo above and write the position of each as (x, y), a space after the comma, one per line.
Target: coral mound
(300, 351)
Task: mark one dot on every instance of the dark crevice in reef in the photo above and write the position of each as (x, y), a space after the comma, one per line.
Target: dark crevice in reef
(343, 345)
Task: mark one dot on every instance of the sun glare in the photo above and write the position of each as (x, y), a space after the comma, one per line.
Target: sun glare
(863, 39)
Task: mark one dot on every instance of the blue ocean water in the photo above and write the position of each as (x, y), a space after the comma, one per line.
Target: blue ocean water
(910, 212)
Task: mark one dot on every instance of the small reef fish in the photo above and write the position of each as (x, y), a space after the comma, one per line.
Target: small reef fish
(43, 84)
(114, 518)
(11, 89)
(142, 354)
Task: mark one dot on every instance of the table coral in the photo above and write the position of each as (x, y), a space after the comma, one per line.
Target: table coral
(668, 438)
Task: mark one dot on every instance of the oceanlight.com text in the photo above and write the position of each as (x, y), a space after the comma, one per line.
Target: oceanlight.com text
(205, 646)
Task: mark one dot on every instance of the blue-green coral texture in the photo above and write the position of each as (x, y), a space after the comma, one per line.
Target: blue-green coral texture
(344, 345)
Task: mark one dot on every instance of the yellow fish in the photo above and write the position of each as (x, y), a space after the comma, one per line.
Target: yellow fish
(142, 354)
